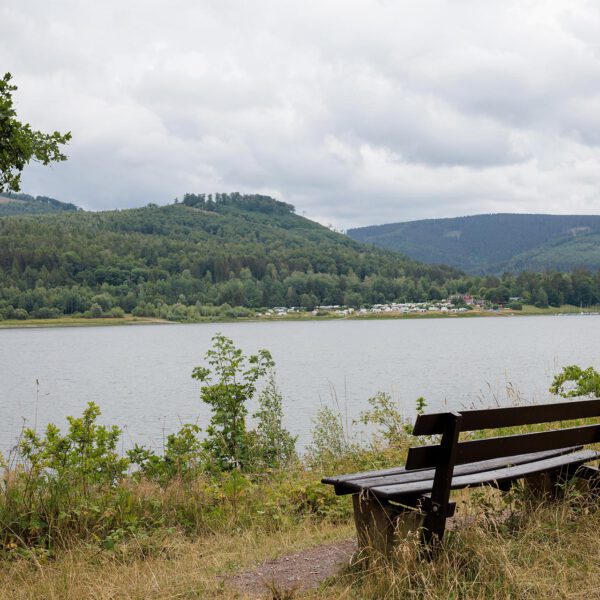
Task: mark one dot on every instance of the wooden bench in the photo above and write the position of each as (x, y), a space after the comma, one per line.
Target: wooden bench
(391, 502)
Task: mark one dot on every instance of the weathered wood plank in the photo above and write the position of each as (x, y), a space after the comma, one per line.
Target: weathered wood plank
(496, 447)
(396, 492)
(492, 418)
(335, 479)
(352, 484)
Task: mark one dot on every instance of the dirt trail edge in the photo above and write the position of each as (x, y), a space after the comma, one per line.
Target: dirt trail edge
(300, 571)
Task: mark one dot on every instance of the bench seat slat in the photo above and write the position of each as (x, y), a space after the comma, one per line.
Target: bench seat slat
(337, 479)
(398, 491)
(353, 484)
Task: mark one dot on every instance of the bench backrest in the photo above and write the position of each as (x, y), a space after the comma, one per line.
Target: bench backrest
(450, 424)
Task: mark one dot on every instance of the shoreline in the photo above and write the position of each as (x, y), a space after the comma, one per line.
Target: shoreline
(528, 311)
(81, 322)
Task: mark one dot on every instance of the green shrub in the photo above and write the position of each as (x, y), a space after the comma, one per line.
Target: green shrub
(585, 382)
(273, 447)
(232, 379)
(95, 311)
(64, 484)
(330, 442)
(182, 456)
(47, 313)
(392, 426)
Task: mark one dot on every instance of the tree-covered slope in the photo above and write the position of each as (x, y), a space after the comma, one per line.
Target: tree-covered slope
(249, 251)
(494, 243)
(564, 253)
(21, 204)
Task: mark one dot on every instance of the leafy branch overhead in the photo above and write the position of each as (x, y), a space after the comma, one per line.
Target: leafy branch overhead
(20, 144)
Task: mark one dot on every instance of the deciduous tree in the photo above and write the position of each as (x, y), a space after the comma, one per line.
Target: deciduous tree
(20, 144)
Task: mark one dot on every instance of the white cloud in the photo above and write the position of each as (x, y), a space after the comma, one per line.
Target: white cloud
(357, 111)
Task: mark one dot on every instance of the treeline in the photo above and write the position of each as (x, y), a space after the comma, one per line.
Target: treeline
(581, 287)
(252, 202)
(12, 203)
(225, 255)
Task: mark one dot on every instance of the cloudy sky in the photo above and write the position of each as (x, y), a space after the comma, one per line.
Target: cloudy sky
(358, 112)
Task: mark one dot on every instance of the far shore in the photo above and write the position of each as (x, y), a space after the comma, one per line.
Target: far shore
(528, 310)
(80, 322)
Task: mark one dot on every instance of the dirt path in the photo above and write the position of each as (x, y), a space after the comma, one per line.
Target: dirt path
(300, 571)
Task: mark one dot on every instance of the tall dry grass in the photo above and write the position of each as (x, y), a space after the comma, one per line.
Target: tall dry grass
(547, 550)
(527, 551)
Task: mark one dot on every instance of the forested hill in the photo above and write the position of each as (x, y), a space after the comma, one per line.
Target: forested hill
(20, 204)
(178, 260)
(494, 243)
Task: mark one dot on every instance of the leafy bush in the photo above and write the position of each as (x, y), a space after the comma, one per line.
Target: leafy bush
(63, 484)
(273, 446)
(182, 456)
(95, 311)
(46, 313)
(86, 455)
(329, 439)
(586, 382)
(384, 413)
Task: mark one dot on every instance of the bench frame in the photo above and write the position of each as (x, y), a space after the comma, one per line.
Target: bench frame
(544, 459)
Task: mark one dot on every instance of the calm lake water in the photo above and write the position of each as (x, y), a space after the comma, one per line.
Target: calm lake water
(140, 375)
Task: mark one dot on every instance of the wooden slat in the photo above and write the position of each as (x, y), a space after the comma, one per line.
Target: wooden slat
(336, 479)
(352, 484)
(492, 418)
(397, 492)
(423, 457)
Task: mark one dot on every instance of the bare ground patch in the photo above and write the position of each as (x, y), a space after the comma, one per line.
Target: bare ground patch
(300, 571)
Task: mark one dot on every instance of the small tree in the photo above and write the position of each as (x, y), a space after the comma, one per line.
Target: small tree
(274, 446)
(19, 144)
(329, 440)
(231, 380)
(86, 455)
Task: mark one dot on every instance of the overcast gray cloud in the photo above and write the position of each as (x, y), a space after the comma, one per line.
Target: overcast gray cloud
(356, 111)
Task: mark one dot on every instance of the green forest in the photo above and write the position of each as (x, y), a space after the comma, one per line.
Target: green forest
(494, 243)
(227, 255)
(14, 203)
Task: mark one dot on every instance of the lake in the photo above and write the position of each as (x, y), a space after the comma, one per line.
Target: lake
(140, 375)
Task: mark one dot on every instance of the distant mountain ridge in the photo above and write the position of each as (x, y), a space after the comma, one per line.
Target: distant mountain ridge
(494, 243)
(23, 204)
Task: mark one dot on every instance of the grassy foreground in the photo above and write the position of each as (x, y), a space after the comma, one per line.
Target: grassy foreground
(191, 535)
(77, 520)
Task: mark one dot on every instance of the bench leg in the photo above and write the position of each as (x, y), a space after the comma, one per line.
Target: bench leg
(543, 486)
(380, 524)
(433, 530)
(438, 506)
(550, 484)
(591, 475)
